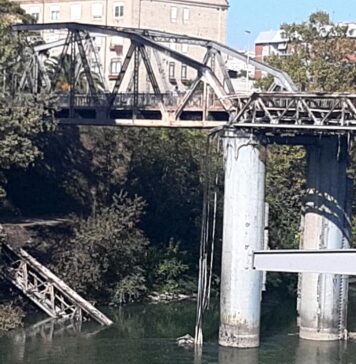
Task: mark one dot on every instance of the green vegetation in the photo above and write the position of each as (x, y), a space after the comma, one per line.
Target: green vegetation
(18, 124)
(320, 55)
(10, 317)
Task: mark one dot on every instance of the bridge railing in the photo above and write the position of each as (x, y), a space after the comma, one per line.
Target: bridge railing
(144, 100)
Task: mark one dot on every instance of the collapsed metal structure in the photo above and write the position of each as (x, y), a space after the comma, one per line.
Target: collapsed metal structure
(324, 123)
(46, 290)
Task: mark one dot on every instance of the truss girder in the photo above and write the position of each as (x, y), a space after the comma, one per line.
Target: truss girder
(164, 37)
(296, 111)
(139, 41)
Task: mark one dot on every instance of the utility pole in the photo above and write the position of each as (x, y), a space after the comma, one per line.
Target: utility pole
(248, 32)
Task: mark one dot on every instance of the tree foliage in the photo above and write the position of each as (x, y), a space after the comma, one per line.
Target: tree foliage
(285, 187)
(105, 251)
(20, 118)
(320, 55)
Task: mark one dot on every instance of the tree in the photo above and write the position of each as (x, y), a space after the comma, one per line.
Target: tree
(20, 117)
(320, 57)
(103, 258)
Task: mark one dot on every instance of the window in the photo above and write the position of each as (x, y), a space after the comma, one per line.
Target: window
(115, 66)
(185, 48)
(54, 12)
(117, 45)
(174, 12)
(97, 10)
(35, 12)
(171, 70)
(75, 11)
(185, 16)
(282, 46)
(172, 46)
(118, 10)
(36, 16)
(183, 74)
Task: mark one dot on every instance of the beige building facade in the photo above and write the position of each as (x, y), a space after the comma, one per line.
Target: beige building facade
(205, 19)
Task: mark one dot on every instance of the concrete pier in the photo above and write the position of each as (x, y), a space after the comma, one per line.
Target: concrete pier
(323, 297)
(243, 231)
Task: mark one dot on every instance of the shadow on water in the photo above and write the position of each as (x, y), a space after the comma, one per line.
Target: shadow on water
(145, 334)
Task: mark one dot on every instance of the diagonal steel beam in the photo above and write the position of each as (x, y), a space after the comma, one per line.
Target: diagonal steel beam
(222, 66)
(152, 78)
(94, 53)
(85, 64)
(161, 70)
(149, 69)
(121, 76)
(60, 62)
(192, 89)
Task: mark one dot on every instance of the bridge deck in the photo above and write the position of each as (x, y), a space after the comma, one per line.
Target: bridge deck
(302, 112)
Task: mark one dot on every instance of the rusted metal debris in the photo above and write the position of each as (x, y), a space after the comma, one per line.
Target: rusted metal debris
(46, 290)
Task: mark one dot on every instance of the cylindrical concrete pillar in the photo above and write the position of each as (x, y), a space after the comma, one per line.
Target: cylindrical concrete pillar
(243, 232)
(326, 223)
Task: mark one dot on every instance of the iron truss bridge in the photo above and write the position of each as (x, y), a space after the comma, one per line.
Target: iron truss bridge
(208, 100)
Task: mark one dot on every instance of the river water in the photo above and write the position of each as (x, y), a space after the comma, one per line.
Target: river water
(145, 334)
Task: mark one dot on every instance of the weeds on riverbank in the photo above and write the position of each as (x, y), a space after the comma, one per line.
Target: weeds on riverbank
(10, 317)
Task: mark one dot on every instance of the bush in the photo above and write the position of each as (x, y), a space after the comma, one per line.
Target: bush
(10, 317)
(105, 253)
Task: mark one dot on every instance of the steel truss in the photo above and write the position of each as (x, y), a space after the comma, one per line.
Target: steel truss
(301, 111)
(210, 100)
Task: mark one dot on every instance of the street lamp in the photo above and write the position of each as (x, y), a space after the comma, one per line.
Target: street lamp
(248, 32)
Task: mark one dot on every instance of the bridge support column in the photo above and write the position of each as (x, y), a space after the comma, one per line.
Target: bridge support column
(243, 231)
(323, 297)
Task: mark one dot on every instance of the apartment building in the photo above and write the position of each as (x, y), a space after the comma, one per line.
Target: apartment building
(206, 19)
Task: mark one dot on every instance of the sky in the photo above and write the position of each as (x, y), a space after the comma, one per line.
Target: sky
(259, 15)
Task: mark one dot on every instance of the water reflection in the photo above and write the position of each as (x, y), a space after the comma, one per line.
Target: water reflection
(42, 334)
(146, 334)
(319, 352)
(236, 356)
